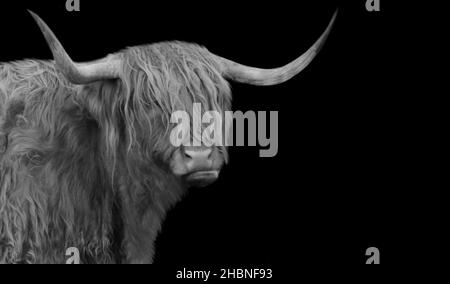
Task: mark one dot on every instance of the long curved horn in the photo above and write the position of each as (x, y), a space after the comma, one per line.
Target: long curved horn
(267, 77)
(78, 73)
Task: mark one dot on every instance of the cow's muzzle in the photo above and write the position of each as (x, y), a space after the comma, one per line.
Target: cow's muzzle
(197, 166)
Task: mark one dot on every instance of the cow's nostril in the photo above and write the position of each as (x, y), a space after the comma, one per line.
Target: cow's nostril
(187, 155)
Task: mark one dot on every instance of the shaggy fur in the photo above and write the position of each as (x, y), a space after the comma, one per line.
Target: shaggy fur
(87, 166)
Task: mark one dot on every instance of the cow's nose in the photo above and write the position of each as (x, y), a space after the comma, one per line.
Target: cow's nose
(197, 157)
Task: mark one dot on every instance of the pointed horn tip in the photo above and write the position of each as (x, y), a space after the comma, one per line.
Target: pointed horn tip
(31, 12)
(42, 25)
(334, 15)
(330, 26)
(331, 22)
(35, 16)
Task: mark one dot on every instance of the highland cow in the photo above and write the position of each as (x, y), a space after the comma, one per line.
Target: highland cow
(85, 158)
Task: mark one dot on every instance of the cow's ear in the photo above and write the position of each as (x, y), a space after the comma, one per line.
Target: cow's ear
(101, 99)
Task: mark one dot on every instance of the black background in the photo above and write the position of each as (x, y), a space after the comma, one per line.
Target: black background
(331, 191)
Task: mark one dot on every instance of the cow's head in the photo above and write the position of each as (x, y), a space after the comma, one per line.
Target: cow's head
(159, 79)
